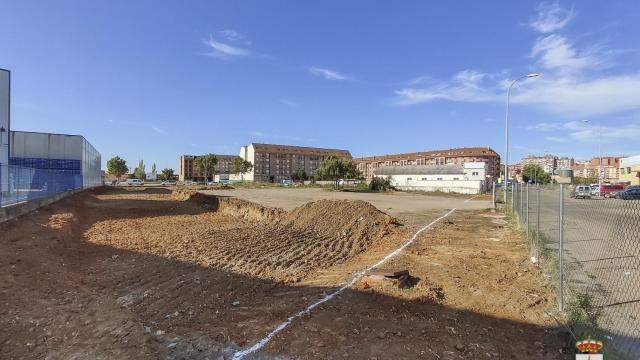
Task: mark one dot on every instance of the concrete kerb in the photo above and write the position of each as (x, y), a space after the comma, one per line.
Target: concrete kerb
(15, 210)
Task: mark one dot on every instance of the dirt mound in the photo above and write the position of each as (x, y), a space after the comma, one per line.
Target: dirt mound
(247, 238)
(229, 206)
(349, 220)
(108, 190)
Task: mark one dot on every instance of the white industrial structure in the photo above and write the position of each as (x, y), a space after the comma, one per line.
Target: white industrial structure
(471, 178)
(4, 130)
(39, 165)
(68, 160)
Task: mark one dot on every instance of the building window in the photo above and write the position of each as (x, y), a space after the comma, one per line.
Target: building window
(475, 173)
(456, 178)
(439, 178)
(424, 179)
(409, 179)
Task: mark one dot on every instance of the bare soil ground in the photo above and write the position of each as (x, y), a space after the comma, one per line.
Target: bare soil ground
(146, 274)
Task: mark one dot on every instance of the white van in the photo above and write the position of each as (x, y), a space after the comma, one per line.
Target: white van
(135, 182)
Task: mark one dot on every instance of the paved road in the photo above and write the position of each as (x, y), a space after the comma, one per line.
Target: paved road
(602, 256)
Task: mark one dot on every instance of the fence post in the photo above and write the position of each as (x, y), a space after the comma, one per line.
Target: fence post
(538, 245)
(493, 195)
(561, 251)
(527, 212)
(513, 197)
(521, 205)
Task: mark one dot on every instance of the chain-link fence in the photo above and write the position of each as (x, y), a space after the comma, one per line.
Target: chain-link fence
(598, 274)
(25, 183)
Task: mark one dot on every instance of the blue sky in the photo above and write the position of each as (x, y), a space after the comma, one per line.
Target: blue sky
(152, 80)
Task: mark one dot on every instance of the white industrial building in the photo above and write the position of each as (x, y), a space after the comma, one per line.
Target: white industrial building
(37, 165)
(43, 164)
(470, 178)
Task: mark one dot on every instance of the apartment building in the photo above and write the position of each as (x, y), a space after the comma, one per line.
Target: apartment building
(565, 163)
(610, 168)
(546, 162)
(188, 170)
(630, 170)
(456, 156)
(274, 163)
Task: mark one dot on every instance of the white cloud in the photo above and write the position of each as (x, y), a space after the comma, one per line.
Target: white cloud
(607, 134)
(551, 17)
(555, 52)
(544, 126)
(157, 129)
(222, 50)
(572, 83)
(590, 132)
(328, 74)
(579, 98)
(234, 36)
(419, 80)
(289, 103)
(466, 86)
(556, 139)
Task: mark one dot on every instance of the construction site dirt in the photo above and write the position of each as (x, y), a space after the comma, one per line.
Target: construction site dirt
(151, 273)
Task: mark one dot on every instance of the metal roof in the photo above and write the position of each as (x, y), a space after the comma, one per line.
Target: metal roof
(630, 161)
(420, 170)
(455, 152)
(300, 149)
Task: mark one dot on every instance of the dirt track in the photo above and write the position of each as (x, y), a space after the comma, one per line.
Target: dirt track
(141, 275)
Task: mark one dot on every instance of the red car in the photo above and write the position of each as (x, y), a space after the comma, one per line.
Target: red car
(607, 190)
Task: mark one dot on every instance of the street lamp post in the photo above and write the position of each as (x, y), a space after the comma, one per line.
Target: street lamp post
(506, 133)
(600, 174)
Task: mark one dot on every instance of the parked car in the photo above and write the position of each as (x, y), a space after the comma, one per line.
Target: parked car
(135, 182)
(189, 183)
(630, 193)
(607, 190)
(581, 191)
(595, 189)
(168, 182)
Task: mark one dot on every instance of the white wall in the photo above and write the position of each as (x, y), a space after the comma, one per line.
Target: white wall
(248, 153)
(4, 136)
(475, 170)
(446, 184)
(91, 165)
(46, 146)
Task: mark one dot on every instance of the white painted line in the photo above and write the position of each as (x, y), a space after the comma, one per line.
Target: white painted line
(471, 198)
(262, 342)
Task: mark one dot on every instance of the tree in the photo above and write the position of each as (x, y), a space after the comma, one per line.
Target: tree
(381, 184)
(153, 168)
(301, 175)
(579, 180)
(117, 167)
(139, 171)
(166, 174)
(206, 164)
(336, 168)
(241, 166)
(535, 173)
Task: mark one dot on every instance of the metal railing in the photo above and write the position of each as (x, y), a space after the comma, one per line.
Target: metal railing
(589, 248)
(19, 183)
